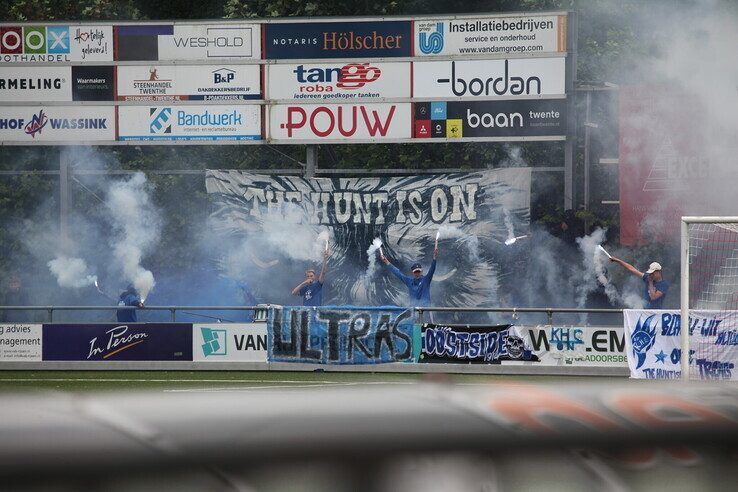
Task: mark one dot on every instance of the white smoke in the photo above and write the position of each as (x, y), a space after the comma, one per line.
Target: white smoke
(136, 228)
(470, 241)
(71, 272)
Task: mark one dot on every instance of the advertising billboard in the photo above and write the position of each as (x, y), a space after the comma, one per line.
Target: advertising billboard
(58, 84)
(229, 342)
(516, 34)
(178, 122)
(109, 341)
(532, 77)
(338, 82)
(20, 342)
(182, 83)
(212, 42)
(491, 119)
(317, 40)
(339, 122)
(29, 124)
(55, 44)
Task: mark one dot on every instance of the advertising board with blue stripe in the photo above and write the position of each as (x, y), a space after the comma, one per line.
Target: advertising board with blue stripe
(182, 83)
(503, 120)
(338, 82)
(109, 341)
(316, 40)
(498, 35)
(55, 43)
(340, 334)
(213, 42)
(653, 344)
(231, 122)
(526, 77)
(229, 342)
(58, 84)
(31, 124)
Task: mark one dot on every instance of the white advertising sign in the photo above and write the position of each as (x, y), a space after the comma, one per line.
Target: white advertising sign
(35, 84)
(490, 78)
(236, 122)
(29, 124)
(576, 346)
(229, 342)
(20, 342)
(181, 83)
(338, 82)
(653, 344)
(491, 35)
(55, 44)
(211, 42)
(340, 122)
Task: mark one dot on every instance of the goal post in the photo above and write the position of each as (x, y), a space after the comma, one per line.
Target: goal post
(709, 282)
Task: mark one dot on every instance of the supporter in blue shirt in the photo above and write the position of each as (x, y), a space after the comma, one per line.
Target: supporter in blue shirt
(129, 297)
(655, 287)
(418, 285)
(311, 290)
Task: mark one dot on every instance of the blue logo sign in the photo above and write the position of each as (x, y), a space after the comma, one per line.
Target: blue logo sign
(215, 342)
(642, 339)
(57, 39)
(160, 120)
(431, 43)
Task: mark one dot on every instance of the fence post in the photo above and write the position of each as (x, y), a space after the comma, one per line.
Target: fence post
(550, 315)
(420, 315)
(174, 314)
(51, 314)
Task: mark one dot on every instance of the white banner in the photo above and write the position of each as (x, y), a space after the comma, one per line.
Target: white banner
(237, 122)
(229, 342)
(211, 42)
(600, 346)
(29, 124)
(56, 44)
(35, 84)
(179, 82)
(20, 342)
(490, 78)
(653, 344)
(338, 82)
(336, 122)
(491, 35)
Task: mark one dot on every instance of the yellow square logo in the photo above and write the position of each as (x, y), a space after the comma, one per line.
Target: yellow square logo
(454, 129)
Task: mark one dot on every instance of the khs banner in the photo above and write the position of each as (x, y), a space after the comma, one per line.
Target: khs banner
(281, 225)
(653, 344)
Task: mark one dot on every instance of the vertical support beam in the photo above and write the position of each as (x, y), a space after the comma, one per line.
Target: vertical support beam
(311, 161)
(64, 198)
(684, 291)
(587, 131)
(572, 29)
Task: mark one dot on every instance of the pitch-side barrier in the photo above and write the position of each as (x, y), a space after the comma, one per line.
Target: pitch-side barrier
(536, 341)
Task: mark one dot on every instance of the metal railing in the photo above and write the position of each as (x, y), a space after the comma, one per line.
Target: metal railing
(260, 311)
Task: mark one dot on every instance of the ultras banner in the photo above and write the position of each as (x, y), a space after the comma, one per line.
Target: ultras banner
(652, 340)
(340, 335)
(281, 224)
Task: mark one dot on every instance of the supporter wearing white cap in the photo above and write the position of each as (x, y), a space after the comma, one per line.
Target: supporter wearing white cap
(655, 285)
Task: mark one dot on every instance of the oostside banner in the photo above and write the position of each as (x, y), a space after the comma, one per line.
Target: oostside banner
(504, 34)
(223, 122)
(653, 344)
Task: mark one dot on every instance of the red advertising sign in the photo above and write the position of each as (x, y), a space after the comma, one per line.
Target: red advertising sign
(663, 163)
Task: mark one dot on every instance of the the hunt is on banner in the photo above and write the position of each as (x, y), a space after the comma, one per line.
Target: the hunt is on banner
(340, 335)
(281, 224)
(652, 339)
(484, 344)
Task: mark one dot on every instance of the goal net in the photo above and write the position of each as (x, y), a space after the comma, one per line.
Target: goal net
(709, 297)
